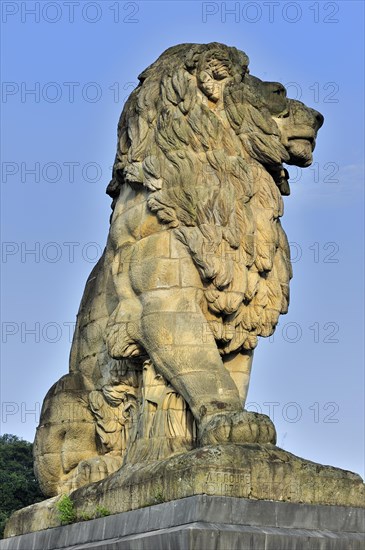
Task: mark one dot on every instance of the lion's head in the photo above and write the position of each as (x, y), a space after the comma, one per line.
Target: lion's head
(208, 140)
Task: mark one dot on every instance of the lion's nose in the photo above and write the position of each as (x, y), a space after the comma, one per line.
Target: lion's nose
(319, 119)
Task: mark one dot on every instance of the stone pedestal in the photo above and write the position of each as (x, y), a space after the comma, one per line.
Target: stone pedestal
(254, 472)
(209, 523)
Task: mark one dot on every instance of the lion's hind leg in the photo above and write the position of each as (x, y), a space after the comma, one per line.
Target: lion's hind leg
(65, 435)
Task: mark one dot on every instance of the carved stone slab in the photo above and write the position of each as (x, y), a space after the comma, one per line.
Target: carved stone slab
(206, 523)
(259, 472)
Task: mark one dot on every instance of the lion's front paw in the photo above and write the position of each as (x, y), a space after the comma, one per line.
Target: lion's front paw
(237, 427)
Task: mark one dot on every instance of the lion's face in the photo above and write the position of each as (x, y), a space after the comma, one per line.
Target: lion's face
(210, 88)
(274, 129)
(297, 123)
(262, 108)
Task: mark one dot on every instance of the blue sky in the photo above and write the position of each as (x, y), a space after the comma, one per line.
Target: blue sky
(82, 60)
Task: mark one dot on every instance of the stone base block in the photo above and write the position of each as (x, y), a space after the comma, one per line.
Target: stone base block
(208, 523)
(257, 472)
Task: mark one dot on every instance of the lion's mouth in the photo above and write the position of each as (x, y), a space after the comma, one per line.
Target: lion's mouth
(311, 139)
(300, 145)
(300, 148)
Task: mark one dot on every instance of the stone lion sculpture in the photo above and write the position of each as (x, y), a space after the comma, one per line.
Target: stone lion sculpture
(195, 268)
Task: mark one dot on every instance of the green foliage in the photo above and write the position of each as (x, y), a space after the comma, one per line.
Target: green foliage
(67, 513)
(101, 512)
(19, 487)
(66, 510)
(84, 517)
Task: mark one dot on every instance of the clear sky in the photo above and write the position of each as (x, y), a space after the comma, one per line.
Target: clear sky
(81, 59)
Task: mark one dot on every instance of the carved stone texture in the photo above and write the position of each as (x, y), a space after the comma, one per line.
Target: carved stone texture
(257, 472)
(195, 269)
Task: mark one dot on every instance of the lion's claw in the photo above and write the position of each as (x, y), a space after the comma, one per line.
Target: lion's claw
(237, 427)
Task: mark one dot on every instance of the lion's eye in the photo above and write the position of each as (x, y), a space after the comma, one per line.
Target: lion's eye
(280, 91)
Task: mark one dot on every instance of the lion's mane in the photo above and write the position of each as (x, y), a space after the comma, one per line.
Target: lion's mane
(206, 172)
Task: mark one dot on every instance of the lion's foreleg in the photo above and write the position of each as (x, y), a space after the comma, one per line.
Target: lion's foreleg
(183, 349)
(239, 367)
(185, 353)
